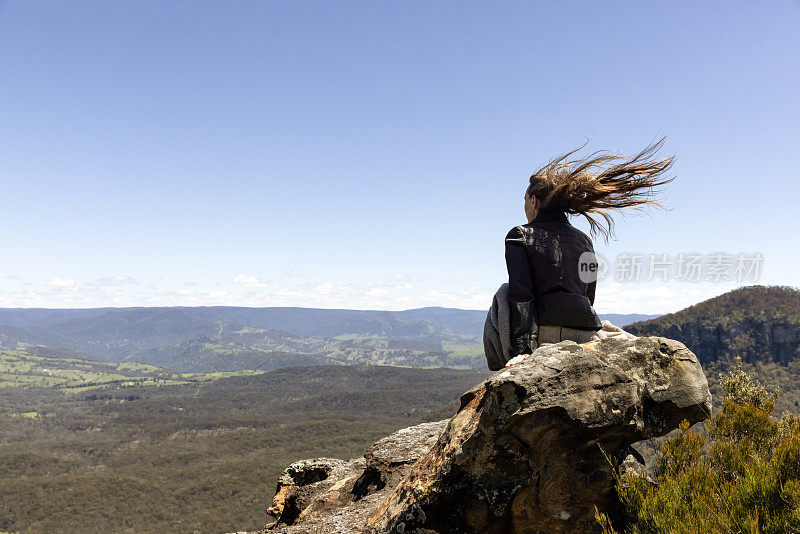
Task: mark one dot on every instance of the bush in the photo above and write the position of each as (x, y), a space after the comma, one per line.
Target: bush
(743, 477)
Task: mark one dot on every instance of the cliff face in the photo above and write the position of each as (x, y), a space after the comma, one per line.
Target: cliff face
(532, 449)
(757, 323)
(754, 339)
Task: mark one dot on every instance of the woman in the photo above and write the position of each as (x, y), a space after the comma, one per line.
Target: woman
(551, 264)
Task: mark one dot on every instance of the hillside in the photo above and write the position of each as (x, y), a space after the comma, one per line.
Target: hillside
(200, 457)
(200, 451)
(757, 323)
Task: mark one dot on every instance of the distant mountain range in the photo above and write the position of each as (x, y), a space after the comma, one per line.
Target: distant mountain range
(198, 339)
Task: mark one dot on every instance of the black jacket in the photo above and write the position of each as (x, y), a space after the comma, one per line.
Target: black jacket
(546, 287)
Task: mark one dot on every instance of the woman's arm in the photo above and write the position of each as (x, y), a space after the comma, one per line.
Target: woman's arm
(593, 270)
(590, 291)
(520, 295)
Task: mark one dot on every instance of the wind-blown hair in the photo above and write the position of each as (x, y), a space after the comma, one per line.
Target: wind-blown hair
(601, 182)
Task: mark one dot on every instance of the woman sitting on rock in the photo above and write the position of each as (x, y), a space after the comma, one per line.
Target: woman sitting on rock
(552, 270)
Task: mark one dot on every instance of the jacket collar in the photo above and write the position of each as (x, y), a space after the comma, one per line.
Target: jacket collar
(551, 215)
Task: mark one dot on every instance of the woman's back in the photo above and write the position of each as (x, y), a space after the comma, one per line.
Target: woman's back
(547, 270)
(551, 264)
(546, 288)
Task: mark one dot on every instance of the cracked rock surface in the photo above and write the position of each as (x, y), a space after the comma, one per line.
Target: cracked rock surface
(531, 449)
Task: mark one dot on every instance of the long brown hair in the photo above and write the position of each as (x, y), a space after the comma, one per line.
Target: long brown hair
(601, 182)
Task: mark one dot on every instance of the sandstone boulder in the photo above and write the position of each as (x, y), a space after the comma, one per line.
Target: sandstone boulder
(531, 450)
(331, 496)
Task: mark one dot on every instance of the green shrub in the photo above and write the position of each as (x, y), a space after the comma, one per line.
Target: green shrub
(744, 477)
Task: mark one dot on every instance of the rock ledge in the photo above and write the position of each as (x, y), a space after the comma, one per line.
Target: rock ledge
(532, 449)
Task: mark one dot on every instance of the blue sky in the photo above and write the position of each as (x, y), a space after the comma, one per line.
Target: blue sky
(374, 154)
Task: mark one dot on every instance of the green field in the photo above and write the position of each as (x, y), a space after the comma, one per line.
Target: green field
(22, 369)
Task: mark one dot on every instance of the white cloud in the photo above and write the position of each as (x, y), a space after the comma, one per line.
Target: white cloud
(654, 297)
(401, 281)
(61, 282)
(249, 281)
(473, 298)
(116, 281)
(392, 291)
(296, 272)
